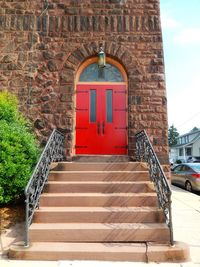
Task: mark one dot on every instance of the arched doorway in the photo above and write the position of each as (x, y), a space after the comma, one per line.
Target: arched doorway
(101, 109)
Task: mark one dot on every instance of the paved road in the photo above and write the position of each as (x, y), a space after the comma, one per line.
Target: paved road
(186, 222)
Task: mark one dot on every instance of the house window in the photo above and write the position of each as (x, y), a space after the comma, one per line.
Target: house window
(188, 151)
(181, 152)
(184, 139)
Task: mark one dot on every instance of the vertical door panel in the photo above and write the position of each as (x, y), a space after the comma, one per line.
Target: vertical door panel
(86, 131)
(115, 137)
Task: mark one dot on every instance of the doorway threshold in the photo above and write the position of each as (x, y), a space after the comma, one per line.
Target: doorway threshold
(101, 158)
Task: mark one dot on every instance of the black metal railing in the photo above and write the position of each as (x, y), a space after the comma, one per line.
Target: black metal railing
(146, 153)
(53, 151)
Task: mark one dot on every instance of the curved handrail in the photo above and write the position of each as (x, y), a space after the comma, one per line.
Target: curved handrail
(146, 153)
(53, 151)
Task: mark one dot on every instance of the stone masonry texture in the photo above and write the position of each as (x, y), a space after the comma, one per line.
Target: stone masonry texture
(43, 43)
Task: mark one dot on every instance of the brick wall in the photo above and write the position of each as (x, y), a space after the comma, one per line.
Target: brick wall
(41, 49)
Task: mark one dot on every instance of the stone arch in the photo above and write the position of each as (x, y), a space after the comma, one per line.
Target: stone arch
(86, 51)
(118, 52)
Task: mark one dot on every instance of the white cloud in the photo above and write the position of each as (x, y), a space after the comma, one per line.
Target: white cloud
(183, 108)
(168, 22)
(188, 36)
(195, 83)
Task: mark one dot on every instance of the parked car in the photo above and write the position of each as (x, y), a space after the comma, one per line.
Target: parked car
(193, 159)
(187, 175)
(172, 166)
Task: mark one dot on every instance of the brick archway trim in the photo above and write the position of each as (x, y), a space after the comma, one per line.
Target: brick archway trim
(113, 50)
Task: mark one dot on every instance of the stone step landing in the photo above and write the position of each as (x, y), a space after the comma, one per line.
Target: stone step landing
(136, 252)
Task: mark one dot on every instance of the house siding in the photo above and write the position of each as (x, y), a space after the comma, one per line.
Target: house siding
(42, 49)
(196, 148)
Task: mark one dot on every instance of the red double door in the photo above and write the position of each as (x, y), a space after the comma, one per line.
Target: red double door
(101, 119)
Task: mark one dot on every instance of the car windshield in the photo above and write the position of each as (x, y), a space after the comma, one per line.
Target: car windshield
(196, 167)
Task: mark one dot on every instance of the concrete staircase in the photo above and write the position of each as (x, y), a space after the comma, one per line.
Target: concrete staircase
(99, 211)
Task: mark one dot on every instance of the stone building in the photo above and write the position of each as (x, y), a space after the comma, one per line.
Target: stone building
(94, 69)
(49, 53)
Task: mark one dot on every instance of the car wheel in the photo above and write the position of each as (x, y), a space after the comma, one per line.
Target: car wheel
(188, 186)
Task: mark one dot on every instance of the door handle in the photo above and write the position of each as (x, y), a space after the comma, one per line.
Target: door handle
(103, 127)
(98, 127)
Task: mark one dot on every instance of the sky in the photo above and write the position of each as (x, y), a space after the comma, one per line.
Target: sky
(181, 36)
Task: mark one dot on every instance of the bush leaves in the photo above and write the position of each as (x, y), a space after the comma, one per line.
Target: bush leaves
(18, 150)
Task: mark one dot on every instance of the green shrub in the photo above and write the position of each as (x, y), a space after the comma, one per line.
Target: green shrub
(9, 108)
(18, 150)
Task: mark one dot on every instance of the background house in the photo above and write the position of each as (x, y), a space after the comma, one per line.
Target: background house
(188, 145)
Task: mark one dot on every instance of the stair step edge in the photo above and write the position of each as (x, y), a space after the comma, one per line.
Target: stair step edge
(92, 209)
(102, 182)
(100, 194)
(98, 226)
(104, 171)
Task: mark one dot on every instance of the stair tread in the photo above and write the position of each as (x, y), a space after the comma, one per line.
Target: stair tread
(99, 194)
(101, 182)
(98, 226)
(104, 171)
(98, 209)
(103, 163)
(98, 247)
(101, 158)
(99, 166)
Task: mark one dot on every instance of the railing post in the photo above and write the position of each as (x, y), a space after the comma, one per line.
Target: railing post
(170, 221)
(26, 243)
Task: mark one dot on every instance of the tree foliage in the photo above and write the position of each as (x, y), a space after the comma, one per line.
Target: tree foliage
(18, 149)
(172, 136)
(194, 129)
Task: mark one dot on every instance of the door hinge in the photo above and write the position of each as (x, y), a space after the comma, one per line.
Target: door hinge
(81, 128)
(121, 128)
(121, 109)
(80, 146)
(121, 147)
(81, 109)
(82, 91)
(120, 92)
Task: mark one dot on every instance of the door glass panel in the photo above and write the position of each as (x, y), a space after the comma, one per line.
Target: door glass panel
(93, 73)
(109, 106)
(93, 105)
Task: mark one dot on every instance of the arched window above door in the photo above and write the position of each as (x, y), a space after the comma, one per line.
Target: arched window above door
(92, 73)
